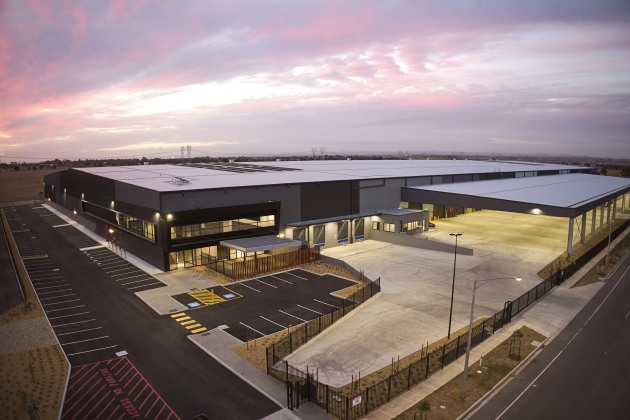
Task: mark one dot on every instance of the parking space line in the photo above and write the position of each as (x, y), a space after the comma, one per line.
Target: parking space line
(57, 297)
(278, 278)
(255, 290)
(37, 288)
(89, 248)
(73, 323)
(120, 274)
(132, 282)
(131, 277)
(67, 316)
(253, 329)
(144, 285)
(83, 341)
(295, 275)
(89, 351)
(273, 322)
(64, 309)
(296, 317)
(309, 309)
(37, 283)
(80, 331)
(56, 291)
(59, 303)
(258, 280)
(325, 303)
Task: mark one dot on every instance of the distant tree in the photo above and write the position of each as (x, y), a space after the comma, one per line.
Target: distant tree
(603, 171)
(625, 171)
(16, 168)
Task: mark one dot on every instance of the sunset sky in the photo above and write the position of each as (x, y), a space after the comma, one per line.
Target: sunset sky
(86, 79)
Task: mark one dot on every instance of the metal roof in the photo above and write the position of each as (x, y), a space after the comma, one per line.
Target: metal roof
(557, 195)
(197, 177)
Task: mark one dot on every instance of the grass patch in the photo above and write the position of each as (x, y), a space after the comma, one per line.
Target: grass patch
(445, 402)
(23, 185)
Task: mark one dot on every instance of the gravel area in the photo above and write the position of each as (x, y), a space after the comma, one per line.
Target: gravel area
(25, 335)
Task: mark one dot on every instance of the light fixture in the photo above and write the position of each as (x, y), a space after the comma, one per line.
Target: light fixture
(169, 217)
(536, 211)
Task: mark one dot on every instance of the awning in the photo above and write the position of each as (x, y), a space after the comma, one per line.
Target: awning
(260, 243)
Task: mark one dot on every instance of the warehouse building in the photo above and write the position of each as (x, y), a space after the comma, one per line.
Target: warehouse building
(183, 215)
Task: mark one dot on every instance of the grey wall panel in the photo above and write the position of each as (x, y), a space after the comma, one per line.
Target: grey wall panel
(383, 197)
(418, 181)
(137, 196)
(320, 200)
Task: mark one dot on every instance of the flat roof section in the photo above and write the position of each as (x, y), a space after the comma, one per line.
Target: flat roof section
(556, 195)
(187, 178)
(260, 243)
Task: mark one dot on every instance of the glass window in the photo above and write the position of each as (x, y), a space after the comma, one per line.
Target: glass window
(389, 227)
(376, 225)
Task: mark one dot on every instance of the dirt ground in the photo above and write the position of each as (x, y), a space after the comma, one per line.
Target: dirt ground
(23, 185)
(35, 375)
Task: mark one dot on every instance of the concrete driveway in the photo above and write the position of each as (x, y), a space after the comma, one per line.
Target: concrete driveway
(413, 308)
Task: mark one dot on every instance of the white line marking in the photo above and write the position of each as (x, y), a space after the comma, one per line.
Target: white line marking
(145, 285)
(253, 329)
(286, 281)
(88, 351)
(80, 331)
(57, 297)
(131, 277)
(89, 248)
(249, 287)
(135, 281)
(83, 341)
(73, 323)
(46, 282)
(280, 325)
(67, 316)
(609, 293)
(295, 275)
(628, 314)
(271, 285)
(51, 287)
(56, 291)
(296, 317)
(121, 274)
(325, 303)
(64, 309)
(59, 303)
(309, 309)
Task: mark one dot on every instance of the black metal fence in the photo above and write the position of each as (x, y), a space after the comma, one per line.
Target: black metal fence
(302, 386)
(303, 333)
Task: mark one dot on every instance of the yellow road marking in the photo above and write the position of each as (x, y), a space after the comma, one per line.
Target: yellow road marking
(192, 321)
(178, 315)
(184, 318)
(190, 327)
(198, 330)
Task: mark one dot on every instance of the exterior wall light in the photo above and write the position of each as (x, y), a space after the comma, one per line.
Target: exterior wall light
(169, 217)
(536, 211)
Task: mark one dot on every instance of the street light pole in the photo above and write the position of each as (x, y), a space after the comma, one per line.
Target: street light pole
(609, 234)
(450, 314)
(462, 393)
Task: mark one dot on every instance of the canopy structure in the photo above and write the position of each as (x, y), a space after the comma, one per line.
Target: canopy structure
(260, 243)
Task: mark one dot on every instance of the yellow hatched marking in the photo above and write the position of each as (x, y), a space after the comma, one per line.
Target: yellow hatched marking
(178, 315)
(190, 327)
(192, 321)
(198, 330)
(184, 318)
(233, 292)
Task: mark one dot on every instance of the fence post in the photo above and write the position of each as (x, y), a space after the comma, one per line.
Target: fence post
(367, 397)
(457, 351)
(305, 332)
(409, 378)
(443, 353)
(347, 408)
(267, 358)
(290, 342)
(389, 387)
(327, 400)
(286, 364)
(426, 374)
(320, 323)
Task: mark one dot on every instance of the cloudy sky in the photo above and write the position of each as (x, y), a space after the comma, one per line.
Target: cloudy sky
(84, 79)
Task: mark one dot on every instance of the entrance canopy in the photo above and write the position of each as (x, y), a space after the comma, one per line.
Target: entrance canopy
(555, 195)
(260, 243)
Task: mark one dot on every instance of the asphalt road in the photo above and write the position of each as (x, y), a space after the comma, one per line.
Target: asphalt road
(185, 377)
(583, 372)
